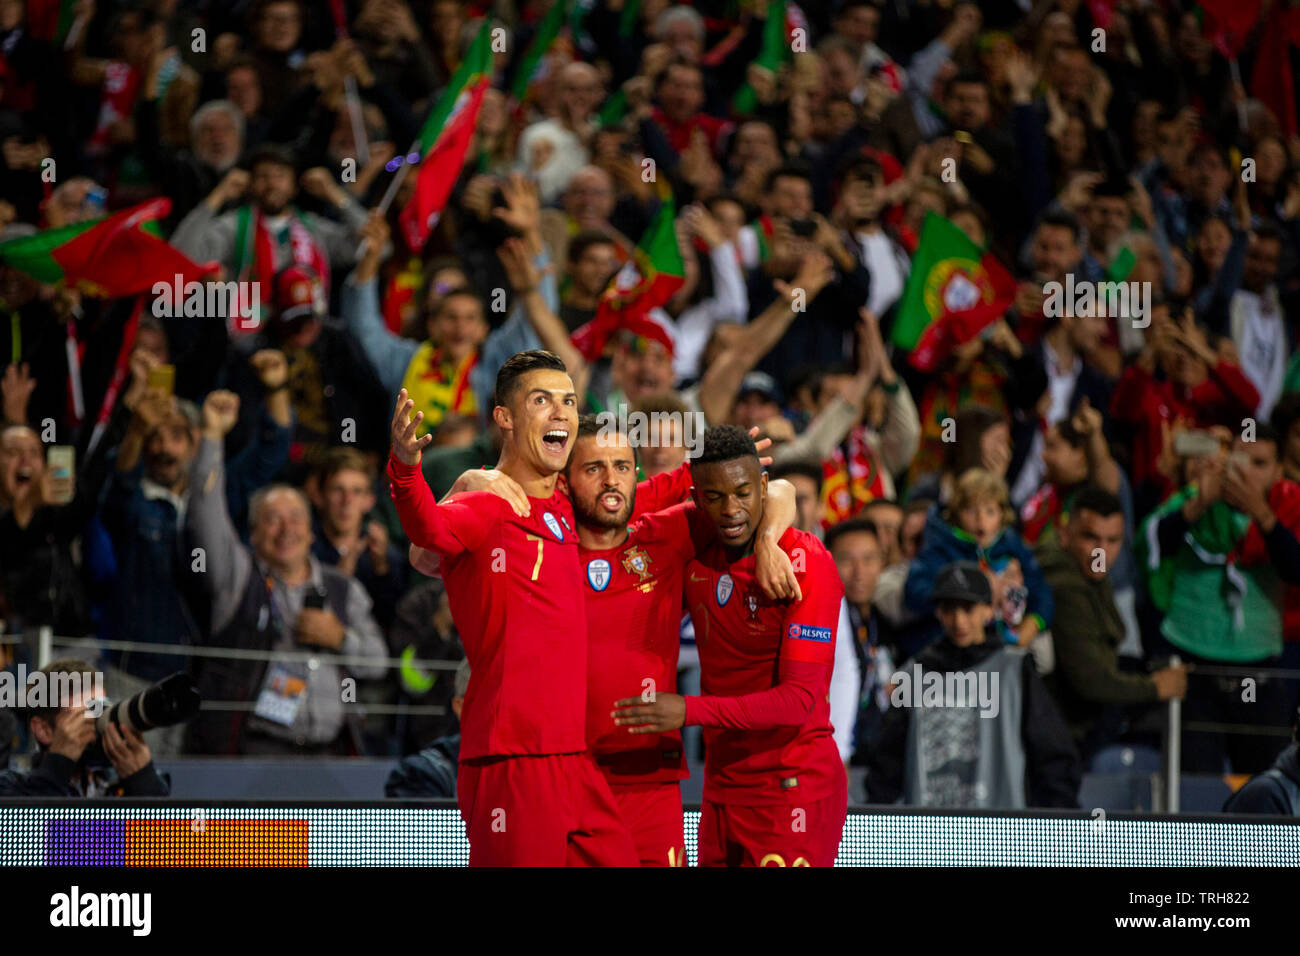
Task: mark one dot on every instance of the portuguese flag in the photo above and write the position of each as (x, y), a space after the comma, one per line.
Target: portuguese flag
(107, 258)
(444, 139)
(649, 280)
(955, 290)
(775, 51)
(547, 31)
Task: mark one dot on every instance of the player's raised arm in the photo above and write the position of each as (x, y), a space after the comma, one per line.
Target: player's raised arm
(448, 529)
(806, 658)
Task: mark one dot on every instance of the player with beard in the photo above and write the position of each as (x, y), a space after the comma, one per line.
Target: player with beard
(775, 791)
(634, 578)
(529, 793)
(634, 565)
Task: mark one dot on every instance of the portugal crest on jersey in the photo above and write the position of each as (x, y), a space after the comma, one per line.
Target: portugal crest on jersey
(724, 589)
(636, 561)
(752, 601)
(598, 574)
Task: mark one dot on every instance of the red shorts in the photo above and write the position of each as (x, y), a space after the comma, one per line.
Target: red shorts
(548, 810)
(797, 833)
(653, 812)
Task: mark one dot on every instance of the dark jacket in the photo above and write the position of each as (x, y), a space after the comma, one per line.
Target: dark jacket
(147, 604)
(943, 544)
(1275, 791)
(429, 773)
(1052, 771)
(1086, 635)
(54, 775)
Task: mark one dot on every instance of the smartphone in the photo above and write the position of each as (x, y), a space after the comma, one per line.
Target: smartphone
(61, 462)
(804, 228)
(1195, 444)
(314, 599)
(163, 377)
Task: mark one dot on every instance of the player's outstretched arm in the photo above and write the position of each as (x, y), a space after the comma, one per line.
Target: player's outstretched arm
(495, 482)
(447, 529)
(803, 675)
(674, 487)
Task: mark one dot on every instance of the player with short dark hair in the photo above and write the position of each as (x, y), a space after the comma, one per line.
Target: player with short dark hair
(528, 792)
(775, 790)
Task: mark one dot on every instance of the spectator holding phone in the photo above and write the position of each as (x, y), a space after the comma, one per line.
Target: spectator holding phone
(1216, 555)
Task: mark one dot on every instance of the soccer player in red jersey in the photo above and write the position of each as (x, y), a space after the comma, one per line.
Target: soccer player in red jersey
(633, 586)
(633, 576)
(775, 790)
(528, 791)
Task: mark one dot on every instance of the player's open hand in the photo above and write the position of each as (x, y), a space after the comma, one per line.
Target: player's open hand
(659, 715)
(774, 571)
(407, 441)
(496, 482)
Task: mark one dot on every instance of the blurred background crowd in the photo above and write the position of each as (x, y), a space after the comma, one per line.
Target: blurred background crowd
(1126, 482)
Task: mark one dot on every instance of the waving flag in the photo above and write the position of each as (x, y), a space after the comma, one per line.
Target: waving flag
(649, 280)
(954, 291)
(105, 258)
(445, 137)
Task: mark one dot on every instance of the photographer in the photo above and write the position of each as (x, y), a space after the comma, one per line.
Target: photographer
(273, 596)
(67, 765)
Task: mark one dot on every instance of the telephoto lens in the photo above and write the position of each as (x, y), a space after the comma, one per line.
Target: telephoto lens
(173, 700)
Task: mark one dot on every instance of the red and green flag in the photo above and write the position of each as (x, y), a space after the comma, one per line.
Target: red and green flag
(955, 291)
(649, 279)
(530, 66)
(776, 49)
(106, 258)
(445, 138)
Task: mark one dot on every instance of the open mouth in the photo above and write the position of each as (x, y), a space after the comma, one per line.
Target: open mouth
(612, 502)
(732, 532)
(23, 478)
(556, 439)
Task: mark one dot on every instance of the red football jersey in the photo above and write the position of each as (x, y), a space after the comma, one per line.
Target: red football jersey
(634, 615)
(760, 662)
(515, 590)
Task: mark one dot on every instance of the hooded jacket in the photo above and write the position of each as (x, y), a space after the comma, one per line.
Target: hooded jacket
(1040, 744)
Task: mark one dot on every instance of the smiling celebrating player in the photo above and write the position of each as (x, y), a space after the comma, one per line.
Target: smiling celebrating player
(528, 792)
(775, 791)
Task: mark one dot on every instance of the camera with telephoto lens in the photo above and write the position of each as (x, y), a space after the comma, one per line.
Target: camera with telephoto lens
(173, 700)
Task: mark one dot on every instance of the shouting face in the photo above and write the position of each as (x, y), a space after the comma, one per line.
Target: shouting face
(602, 480)
(542, 419)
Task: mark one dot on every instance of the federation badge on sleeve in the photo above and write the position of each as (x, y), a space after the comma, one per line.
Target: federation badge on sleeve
(554, 525)
(598, 574)
(724, 589)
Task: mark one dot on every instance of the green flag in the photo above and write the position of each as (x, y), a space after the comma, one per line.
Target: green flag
(775, 51)
(547, 31)
(477, 64)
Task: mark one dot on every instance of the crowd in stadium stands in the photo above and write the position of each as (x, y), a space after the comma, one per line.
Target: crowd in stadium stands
(1067, 497)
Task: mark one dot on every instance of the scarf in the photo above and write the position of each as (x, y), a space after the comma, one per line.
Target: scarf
(255, 259)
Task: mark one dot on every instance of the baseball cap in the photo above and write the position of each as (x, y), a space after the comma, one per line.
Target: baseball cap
(762, 384)
(299, 294)
(962, 581)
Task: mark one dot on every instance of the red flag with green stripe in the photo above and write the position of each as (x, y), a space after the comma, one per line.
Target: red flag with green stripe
(954, 291)
(655, 272)
(105, 258)
(445, 138)
(776, 49)
(547, 31)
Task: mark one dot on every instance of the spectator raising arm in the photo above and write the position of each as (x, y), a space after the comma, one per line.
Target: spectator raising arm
(227, 561)
(722, 381)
